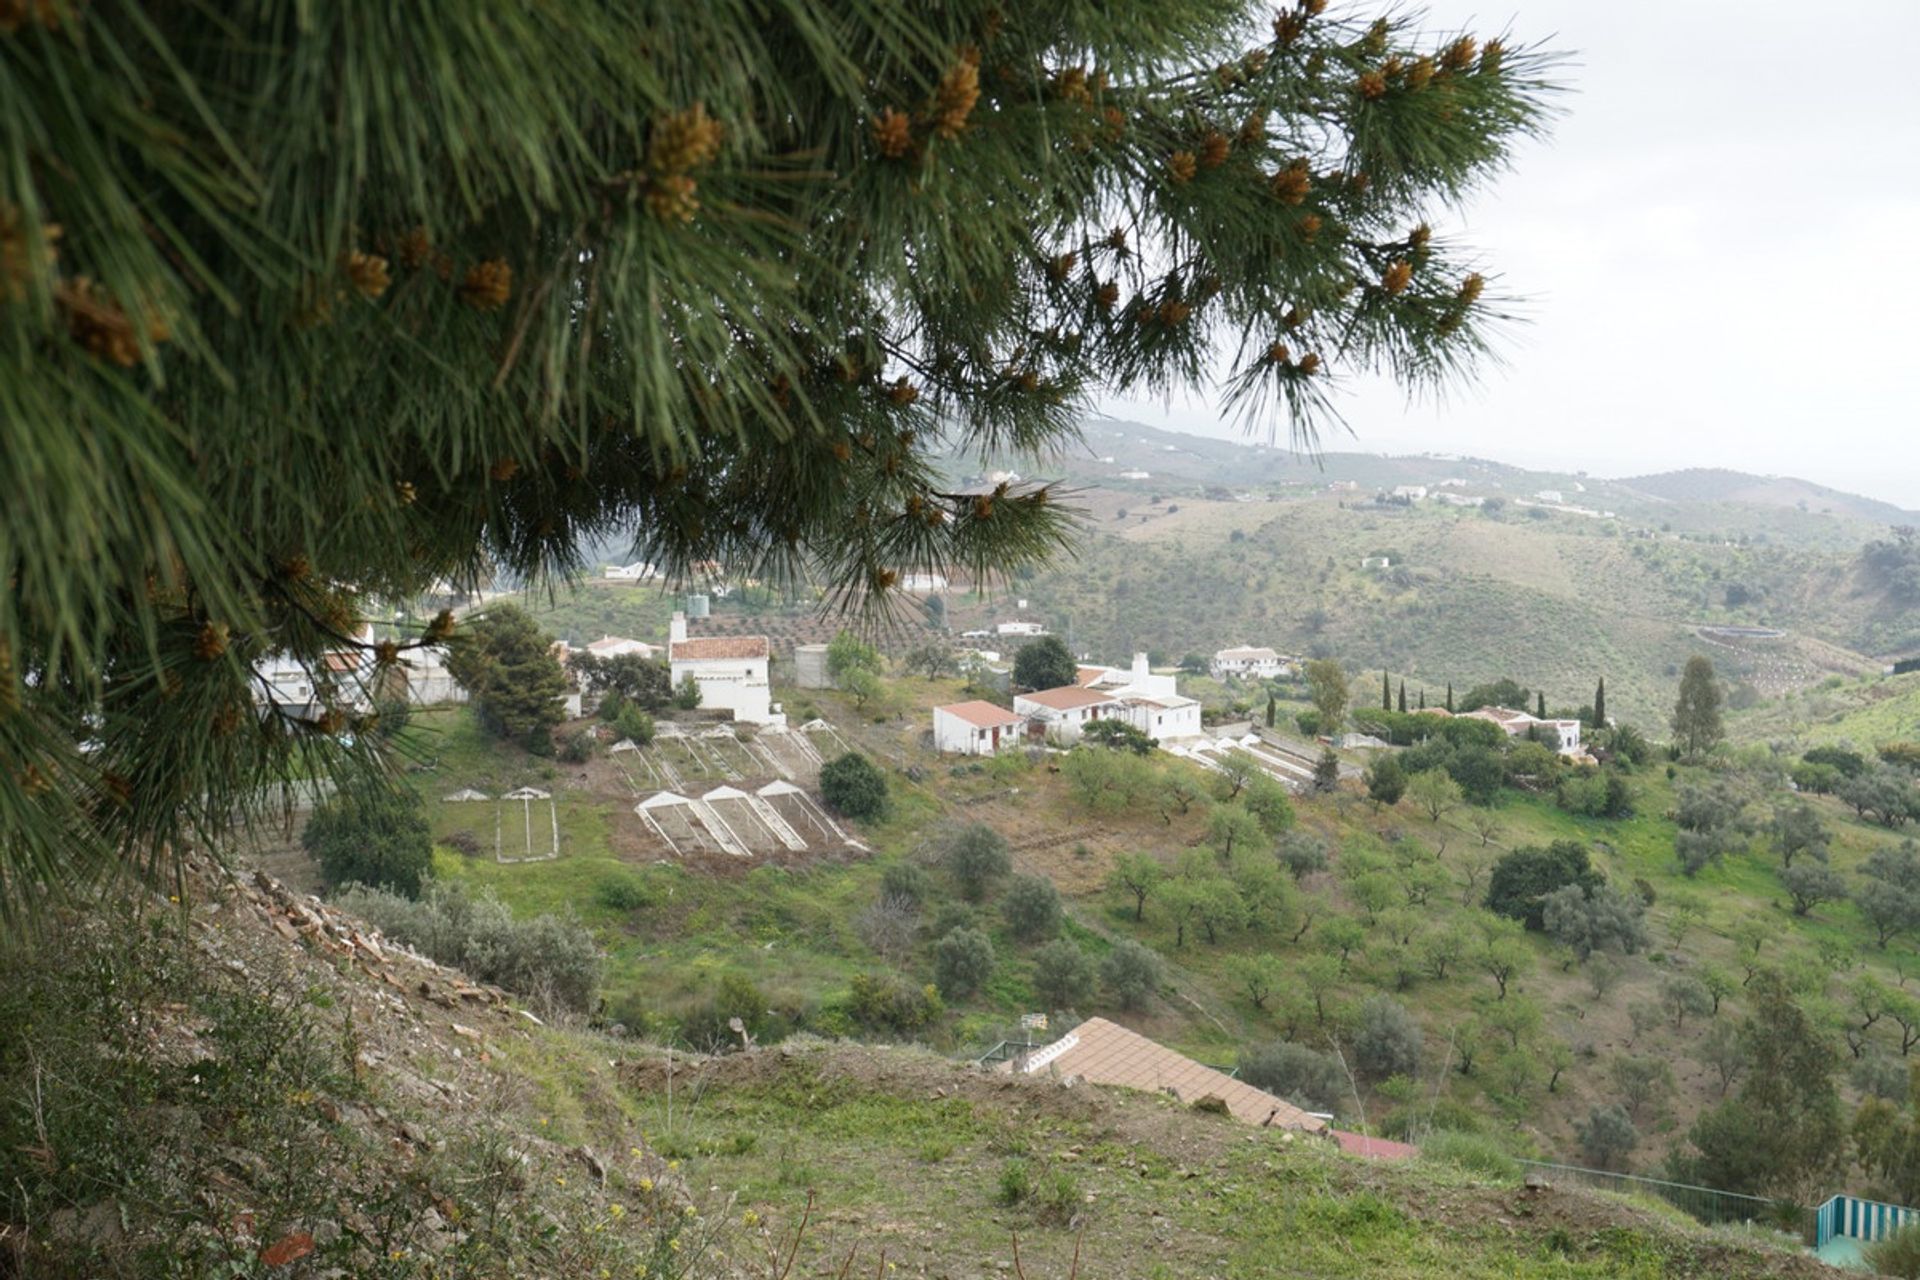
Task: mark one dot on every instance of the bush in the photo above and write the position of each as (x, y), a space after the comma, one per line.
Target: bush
(1474, 1152)
(549, 959)
(908, 882)
(1388, 1041)
(888, 1002)
(1131, 973)
(1591, 794)
(374, 838)
(622, 893)
(962, 963)
(1898, 1254)
(853, 786)
(576, 747)
(890, 925)
(1015, 1183)
(1594, 919)
(633, 723)
(1305, 1077)
(708, 1027)
(1032, 908)
(1302, 853)
(687, 695)
(975, 856)
(1063, 976)
(1607, 1135)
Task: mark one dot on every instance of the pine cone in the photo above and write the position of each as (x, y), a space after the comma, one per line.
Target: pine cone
(1254, 130)
(1420, 74)
(505, 469)
(670, 198)
(487, 285)
(1309, 364)
(892, 134)
(1310, 227)
(211, 642)
(368, 271)
(1106, 295)
(1460, 54)
(1291, 184)
(18, 268)
(954, 101)
(684, 140)
(1398, 276)
(1214, 149)
(1470, 289)
(1181, 166)
(1372, 85)
(97, 323)
(413, 248)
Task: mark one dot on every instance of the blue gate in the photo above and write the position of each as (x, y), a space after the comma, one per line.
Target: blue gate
(1860, 1219)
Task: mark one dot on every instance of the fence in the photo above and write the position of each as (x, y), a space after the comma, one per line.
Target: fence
(1703, 1203)
(1860, 1219)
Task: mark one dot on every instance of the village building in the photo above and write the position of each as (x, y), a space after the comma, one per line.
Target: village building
(1139, 678)
(1411, 492)
(1562, 735)
(638, 571)
(1061, 715)
(976, 728)
(1019, 628)
(619, 647)
(731, 672)
(1162, 717)
(1248, 662)
(923, 582)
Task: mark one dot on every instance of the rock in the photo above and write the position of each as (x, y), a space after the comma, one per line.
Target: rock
(585, 1155)
(1537, 1182)
(466, 1032)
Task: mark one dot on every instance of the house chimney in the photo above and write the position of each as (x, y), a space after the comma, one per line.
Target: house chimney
(677, 629)
(1140, 669)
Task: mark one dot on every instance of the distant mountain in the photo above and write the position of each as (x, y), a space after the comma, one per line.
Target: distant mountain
(1722, 485)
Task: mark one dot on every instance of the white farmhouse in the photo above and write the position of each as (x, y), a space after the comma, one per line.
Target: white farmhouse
(731, 672)
(1063, 713)
(1162, 717)
(1258, 662)
(638, 571)
(976, 728)
(1139, 679)
(619, 647)
(1562, 735)
(1020, 629)
(429, 683)
(1551, 495)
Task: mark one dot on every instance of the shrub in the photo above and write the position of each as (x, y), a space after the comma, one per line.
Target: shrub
(576, 747)
(1302, 853)
(1607, 1135)
(549, 959)
(709, 1026)
(890, 925)
(976, 856)
(1058, 1197)
(1305, 1077)
(1063, 975)
(687, 695)
(853, 786)
(374, 838)
(622, 893)
(1898, 1254)
(1474, 1152)
(1387, 1041)
(1032, 908)
(1131, 973)
(907, 881)
(962, 963)
(1015, 1183)
(633, 723)
(888, 1002)
(1600, 918)
(1602, 794)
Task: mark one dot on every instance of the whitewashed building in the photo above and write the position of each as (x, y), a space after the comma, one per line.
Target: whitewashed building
(1562, 735)
(976, 728)
(1062, 714)
(1019, 629)
(1162, 717)
(1139, 678)
(619, 647)
(731, 671)
(1247, 661)
(639, 571)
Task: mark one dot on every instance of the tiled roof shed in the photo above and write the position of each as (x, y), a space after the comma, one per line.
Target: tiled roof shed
(982, 715)
(1102, 1052)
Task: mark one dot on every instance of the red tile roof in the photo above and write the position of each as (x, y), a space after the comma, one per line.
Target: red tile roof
(982, 715)
(1102, 1052)
(1068, 698)
(1359, 1144)
(713, 648)
(1085, 676)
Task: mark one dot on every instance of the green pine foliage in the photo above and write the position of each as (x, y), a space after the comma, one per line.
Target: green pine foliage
(377, 838)
(304, 308)
(506, 664)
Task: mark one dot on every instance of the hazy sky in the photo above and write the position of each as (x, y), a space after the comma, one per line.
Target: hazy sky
(1719, 245)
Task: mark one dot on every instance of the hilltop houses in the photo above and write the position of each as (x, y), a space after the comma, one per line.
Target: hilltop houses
(1248, 662)
(731, 672)
(1135, 695)
(1562, 735)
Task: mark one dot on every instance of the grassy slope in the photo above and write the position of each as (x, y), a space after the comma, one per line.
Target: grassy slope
(1863, 713)
(793, 931)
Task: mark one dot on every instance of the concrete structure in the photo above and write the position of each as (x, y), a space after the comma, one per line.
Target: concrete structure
(1105, 1053)
(1562, 735)
(1163, 718)
(1019, 629)
(976, 728)
(1246, 661)
(1059, 715)
(810, 666)
(731, 671)
(1376, 562)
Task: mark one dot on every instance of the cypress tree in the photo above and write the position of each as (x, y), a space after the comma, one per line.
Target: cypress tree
(1386, 692)
(1449, 697)
(1600, 704)
(1423, 699)
(1403, 697)
(1540, 706)
(569, 278)
(1270, 711)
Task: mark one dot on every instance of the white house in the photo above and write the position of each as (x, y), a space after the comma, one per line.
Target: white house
(1019, 629)
(1411, 492)
(1138, 679)
(638, 571)
(619, 647)
(1562, 735)
(1376, 562)
(1164, 717)
(429, 683)
(1135, 475)
(1551, 495)
(976, 728)
(923, 582)
(1261, 663)
(1061, 714)
(731, 672)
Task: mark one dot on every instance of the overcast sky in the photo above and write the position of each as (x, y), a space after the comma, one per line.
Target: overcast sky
(1719, 245)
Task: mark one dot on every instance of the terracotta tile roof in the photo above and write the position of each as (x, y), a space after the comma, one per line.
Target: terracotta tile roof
(1102, 1052)
(1066, 698)
(712, 648)
(1085, 676)
(1359, 1144)
(982, 715)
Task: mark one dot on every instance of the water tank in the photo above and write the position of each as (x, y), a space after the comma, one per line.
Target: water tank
(697, 606)
(810, 666)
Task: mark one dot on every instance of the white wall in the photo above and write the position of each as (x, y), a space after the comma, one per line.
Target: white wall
(738, 685)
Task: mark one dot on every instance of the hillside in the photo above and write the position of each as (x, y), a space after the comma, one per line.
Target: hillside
(286, 1094)
(1719, 485)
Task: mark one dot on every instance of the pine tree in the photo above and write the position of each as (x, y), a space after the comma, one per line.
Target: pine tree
(357, 308)
(1600, 704)
(1403, 697)
(1697, 725)
(506, 664)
